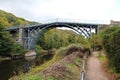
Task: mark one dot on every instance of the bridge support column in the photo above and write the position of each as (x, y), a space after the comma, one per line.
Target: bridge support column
(90, 30)
(20, 40)
(96, 29)
(28, 38)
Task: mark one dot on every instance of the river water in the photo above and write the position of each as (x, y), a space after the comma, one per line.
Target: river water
(15, 67)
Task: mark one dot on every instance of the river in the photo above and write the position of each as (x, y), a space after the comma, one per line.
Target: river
(10, 68)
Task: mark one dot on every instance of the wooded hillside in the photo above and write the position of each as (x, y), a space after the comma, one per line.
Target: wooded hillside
(8, 19)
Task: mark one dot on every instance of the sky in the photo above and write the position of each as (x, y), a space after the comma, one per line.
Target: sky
(96, 11)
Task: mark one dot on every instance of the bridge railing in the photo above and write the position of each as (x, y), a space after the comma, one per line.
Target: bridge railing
(63, 20)
(73, 21)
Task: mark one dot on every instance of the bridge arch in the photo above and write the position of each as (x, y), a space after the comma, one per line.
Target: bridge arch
(29, 34)
(61, 25)
(32, 40)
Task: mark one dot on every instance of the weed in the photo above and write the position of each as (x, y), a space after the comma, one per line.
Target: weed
(69, 66)
(111, 70)
(51, 78)
(78, 60)
(101, 57)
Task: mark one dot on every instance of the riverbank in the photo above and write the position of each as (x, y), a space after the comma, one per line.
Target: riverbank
(68, 68)
(13, 57)
(4, 58)
(65, 65)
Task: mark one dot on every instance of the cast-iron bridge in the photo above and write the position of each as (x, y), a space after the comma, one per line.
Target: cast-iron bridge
(28, 34)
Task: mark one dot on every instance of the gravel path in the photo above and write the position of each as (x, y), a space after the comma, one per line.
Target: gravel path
(94, 68)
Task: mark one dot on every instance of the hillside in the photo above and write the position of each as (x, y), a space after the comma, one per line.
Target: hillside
(8, 19)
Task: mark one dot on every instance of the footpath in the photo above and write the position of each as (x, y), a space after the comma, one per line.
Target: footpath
(94, 68)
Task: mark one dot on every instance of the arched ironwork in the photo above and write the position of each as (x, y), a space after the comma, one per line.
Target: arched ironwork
(31, 32)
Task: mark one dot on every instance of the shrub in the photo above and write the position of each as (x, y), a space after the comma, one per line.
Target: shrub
(38, 48)
(111, 43)
(17, 49)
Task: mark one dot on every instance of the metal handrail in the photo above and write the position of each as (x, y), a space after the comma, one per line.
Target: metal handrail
(83, 71)
(82, 75)
(83, 67)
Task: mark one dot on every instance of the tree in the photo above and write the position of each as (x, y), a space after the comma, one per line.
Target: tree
(96, 42)
(57, 38)
(6, 42)
(3, 23)
(8, 19)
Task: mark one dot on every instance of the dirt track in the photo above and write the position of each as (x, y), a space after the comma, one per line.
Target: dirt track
(94, 68)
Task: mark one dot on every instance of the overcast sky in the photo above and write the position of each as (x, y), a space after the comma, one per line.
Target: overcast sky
(40, 10)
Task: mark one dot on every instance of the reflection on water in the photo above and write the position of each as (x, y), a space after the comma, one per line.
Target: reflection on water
(15, 67)
(9, 68)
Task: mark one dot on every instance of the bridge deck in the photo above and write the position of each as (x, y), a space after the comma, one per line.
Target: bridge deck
(54, 23)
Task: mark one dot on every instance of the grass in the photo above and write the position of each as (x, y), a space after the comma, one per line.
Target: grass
(32, 77)
(43, 66)
(37, 77)
(78, 60)
(101, 57)
(51, 78)
(111, 70)
(69, 66)
(74, 69)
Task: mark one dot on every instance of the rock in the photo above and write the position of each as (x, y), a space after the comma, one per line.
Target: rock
(30, 53)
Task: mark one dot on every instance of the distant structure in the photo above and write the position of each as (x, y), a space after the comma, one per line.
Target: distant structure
(114, 23)
(102, 26)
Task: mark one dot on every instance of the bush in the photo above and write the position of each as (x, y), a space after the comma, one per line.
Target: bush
(38, 48)
(111, 43)
(17, 49)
